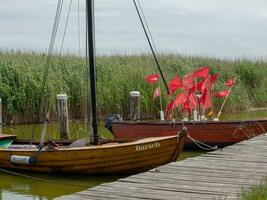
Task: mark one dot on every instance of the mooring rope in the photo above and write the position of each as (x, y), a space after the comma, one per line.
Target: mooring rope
(202, 145)
(40, 179)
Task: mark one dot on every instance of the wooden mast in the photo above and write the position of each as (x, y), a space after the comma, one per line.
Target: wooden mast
(91, 63)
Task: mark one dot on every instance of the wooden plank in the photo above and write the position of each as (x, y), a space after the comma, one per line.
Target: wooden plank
(149, 193)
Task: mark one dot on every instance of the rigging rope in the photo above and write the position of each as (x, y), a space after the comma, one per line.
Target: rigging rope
(152, 45)
(65, 29)
(48, 61)
(147, 27)
(52, 43)
(79, 29)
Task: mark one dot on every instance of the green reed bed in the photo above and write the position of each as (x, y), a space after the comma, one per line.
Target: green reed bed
(21, 83)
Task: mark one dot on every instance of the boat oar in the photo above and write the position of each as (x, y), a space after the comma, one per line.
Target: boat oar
(220, 112)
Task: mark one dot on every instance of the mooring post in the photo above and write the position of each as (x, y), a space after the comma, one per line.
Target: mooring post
(1, 119)
(135, 105)
(62, 107)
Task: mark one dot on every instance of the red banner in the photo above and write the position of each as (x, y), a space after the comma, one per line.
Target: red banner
(152, 78)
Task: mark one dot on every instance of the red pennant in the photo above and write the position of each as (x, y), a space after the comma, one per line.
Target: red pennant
(169, 109)
(180, 99)
(205, 85)
(213, 78)
(192, 101)
(230, 82)
(203, 72)
(186, 108)
(174, 84)
(152, 78)
(188, 81)
(156, 93)
(222, 94)
(206, 100)
(198, 86)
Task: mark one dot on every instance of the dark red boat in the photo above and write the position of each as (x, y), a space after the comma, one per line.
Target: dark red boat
(220, 133)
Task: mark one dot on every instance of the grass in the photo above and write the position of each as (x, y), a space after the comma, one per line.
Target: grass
(254, 192)
(21, 83)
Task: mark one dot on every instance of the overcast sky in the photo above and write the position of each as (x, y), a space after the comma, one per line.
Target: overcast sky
(221, 28)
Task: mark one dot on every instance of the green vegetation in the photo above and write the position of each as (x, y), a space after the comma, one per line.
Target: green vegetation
(21, 83)
(256, 192)
(253, 192)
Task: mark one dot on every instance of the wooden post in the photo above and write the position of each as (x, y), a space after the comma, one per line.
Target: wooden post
(135, 105)
(62, 108)
(1, 119)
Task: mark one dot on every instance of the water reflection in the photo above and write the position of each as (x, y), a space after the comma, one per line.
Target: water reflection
(48, 187)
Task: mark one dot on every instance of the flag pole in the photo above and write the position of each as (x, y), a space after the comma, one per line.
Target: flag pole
(220, 112)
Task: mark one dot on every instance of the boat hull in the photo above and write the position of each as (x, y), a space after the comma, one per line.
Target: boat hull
(220, 133)
(131, 157)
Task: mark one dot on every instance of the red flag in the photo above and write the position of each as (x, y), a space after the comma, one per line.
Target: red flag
(221, 94)
(152, 78)
(192, 101)
(205, 85)
(230, 82)
(213, 78)
(188, 81)
(156, 93)
(203, 72)
(180, 99)
(169, 109)
(186, 108)
(174, 84)
(198, 86)
(205, 100)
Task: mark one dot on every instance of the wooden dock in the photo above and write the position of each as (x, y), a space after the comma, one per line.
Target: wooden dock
(221, 173)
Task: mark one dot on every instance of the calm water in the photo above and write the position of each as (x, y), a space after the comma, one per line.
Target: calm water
(17, 187)
(229, 28)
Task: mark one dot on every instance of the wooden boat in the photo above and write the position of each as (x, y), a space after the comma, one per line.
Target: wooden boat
(220, 133)
(96, 157)
(129, 157)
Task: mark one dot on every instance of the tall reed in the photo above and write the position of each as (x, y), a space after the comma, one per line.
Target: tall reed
(21, 83)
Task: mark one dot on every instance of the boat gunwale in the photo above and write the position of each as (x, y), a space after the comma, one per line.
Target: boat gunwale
(187, 122)
(100, 147)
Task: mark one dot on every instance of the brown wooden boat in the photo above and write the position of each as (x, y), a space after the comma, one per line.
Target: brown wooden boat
(129, 157)
(220, 133)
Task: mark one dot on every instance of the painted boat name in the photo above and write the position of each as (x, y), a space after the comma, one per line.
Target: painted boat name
(147, 146)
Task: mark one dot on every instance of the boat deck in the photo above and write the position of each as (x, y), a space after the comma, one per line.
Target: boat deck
(221, 173)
